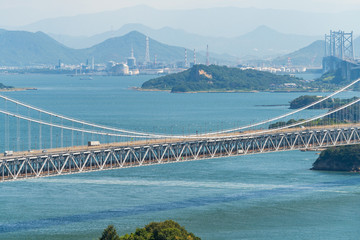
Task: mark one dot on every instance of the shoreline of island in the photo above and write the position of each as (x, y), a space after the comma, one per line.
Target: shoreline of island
(16, 89)
(227, 91)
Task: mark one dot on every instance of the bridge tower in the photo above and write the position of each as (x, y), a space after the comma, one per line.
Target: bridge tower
(339, 55)
(339, 44)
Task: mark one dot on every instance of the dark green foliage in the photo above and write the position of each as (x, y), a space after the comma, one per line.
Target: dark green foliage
(283, 124)
(305, 100)
(345, 158)
(109, 234)
(167, 230)
(220, 78)
(180, 88)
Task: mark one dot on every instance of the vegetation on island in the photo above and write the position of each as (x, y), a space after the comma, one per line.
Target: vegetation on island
(343, 158)
(317, 122)
(167, 230)
(202, 78)
(350, 114)
(305, 100)
(221, 78)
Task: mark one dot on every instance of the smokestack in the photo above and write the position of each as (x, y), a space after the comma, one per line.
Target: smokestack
(194, 57)
(207, 55)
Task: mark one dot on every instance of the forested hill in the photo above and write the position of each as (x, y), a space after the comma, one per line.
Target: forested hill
(221, 78)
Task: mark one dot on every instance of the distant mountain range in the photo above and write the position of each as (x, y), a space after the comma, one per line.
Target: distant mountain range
(263, 42)
(20, 48)
(214, 22)
(231, 33)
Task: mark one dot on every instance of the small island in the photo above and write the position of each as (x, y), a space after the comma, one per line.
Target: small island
(344, 158)
(202, 78)
(331, 103)
(4, 88)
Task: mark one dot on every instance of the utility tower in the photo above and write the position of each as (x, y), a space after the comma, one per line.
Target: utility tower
(339, 44)
(289, 62)
(147, 51)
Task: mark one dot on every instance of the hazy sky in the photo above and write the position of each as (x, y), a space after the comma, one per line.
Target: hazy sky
(22, 12)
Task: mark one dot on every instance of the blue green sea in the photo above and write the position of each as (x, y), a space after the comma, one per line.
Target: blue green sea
(267, 196)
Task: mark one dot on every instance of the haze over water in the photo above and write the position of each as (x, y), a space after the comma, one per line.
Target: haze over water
(268, 196)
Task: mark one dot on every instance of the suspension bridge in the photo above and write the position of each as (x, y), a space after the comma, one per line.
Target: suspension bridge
(40, 143)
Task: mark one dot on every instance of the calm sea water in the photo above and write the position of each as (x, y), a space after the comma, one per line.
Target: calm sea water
(269, 196)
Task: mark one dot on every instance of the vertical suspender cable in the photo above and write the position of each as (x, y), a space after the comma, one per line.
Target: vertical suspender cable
(51, 133)
(82, 135)
(40, 140)
(17, 130)
(29, 131)
(72, 136)
(6, 129)
(5, 124)
(62, 135)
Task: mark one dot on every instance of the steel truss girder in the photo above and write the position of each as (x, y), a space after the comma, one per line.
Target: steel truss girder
(113, 158)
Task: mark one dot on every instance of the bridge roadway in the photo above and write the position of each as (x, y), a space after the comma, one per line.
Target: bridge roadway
(77, 159)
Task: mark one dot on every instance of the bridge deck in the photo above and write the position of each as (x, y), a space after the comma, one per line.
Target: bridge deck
(79, 159)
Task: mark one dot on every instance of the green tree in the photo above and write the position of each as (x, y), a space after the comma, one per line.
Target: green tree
(109, 234)
(167, 230)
